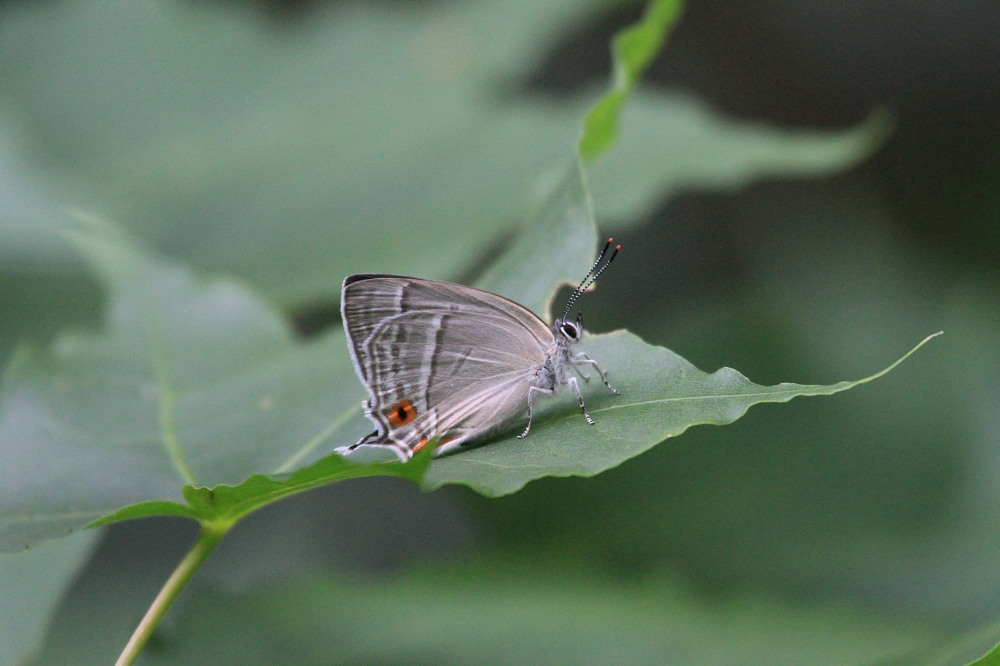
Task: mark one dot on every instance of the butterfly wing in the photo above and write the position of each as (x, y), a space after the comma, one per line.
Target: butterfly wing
(440, 359)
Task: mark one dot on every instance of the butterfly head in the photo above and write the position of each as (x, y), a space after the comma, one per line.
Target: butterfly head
(572, 331)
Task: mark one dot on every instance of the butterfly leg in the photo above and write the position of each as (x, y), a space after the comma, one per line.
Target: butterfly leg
(583, 359)
(531, 396)
(576, 387)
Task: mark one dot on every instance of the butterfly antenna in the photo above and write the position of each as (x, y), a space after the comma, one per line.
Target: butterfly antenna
(591, 275)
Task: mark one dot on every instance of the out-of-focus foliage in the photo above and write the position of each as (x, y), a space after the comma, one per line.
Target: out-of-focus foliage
(404, 137)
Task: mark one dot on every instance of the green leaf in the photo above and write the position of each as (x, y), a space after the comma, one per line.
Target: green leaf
(199, 384)
(632, 50)
(228, 503)
(662, 395)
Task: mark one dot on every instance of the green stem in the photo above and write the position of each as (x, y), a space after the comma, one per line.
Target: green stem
(208, 539)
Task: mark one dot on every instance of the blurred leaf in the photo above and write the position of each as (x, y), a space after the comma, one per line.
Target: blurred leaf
(632, 49)
(31, 584)
(671, 142)
(361, 141)
(556, 247)
(966, 648)
(880, 493)
(41, 288)
(30, 210)
(495, 612)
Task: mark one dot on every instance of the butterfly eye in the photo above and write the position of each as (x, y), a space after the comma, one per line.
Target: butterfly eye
(401, 413)
(570, 331)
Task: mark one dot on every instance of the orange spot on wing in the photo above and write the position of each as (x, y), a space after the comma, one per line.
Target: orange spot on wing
(423, 442)
(401, 413)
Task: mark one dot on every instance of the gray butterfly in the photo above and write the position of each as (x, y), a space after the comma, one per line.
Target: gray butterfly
(454, 362)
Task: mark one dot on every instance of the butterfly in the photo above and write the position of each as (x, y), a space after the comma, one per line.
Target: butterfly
(447, 361)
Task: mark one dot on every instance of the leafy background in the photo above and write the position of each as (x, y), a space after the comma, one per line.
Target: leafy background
(290, 144)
